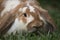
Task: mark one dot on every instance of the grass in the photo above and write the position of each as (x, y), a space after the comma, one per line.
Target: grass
(54, 36)
(55, 14)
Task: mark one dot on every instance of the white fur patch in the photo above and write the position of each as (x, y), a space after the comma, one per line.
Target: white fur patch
(31, 7)
(28, 6)
(17, 26)
(9, 5)
(23, 9)
(29, 19)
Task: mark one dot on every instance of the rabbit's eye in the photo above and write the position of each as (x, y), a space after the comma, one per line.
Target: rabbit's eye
(25, 15)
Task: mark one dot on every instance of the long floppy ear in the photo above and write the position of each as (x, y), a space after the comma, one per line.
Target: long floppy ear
(50, 25)
(6, 22)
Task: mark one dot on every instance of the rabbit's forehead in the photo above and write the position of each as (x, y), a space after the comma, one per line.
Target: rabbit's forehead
(28, 6)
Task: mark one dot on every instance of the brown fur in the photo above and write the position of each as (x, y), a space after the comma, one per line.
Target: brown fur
(1, 6)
